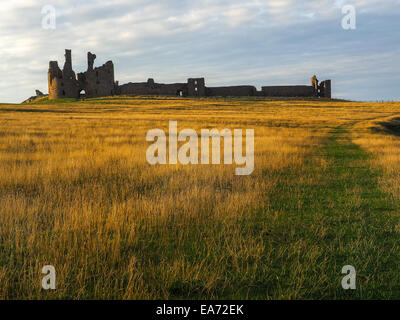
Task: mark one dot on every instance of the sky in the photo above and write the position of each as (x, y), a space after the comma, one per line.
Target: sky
(229, 42)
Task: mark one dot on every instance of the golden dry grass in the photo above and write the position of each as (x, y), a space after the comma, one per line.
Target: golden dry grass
(76, 192)
(382, 138)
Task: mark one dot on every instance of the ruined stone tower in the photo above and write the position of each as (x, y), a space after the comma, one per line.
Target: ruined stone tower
(325, 90)
(95, 82)
(62, 83)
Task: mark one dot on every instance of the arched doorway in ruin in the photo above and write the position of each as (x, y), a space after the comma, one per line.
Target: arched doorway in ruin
(82, 94)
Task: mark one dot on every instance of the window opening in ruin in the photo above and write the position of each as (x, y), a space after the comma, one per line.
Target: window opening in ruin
(63, 93)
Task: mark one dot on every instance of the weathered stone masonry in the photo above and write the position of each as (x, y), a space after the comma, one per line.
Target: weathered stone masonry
(95, 82)
(99, 82)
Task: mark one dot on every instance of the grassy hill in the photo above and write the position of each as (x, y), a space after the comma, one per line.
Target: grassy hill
(77, 193)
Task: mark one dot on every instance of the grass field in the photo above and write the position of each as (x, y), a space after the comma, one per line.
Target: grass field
(77, 193)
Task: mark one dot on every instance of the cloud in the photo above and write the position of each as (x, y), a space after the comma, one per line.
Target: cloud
(227, 41)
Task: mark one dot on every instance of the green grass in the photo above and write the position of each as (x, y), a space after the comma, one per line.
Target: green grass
(45, 100)
(321, 228)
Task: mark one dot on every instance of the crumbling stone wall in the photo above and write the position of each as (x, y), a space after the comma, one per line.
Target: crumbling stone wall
(195, 87)
(232, 91)
(314, 84)
(152, 88)
(39, 94)
(325, 90)
(288, 91)
(99, 81)
(95, 82)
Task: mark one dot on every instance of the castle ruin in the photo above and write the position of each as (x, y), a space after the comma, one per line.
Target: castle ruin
(99, 82)
(95, 82)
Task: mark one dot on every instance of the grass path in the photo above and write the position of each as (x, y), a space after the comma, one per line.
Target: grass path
(341, 218)
(316, 221)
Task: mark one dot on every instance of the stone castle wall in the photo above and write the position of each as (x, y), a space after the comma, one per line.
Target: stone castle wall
(288, 91)
(152, 88)
(100, 82)
(232, 91)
